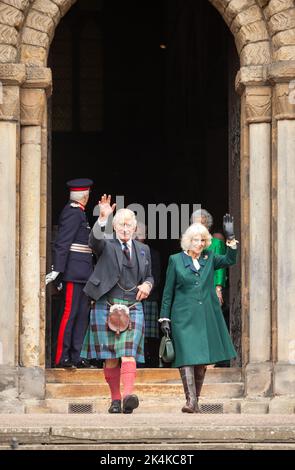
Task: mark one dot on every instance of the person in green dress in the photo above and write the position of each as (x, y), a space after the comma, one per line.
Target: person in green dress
(191, 309)
(218, 247)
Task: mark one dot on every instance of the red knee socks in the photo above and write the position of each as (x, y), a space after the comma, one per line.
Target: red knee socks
(112, 376)
(128, 373)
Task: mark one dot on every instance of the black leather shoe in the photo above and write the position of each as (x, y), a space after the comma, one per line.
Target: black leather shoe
(83, 364)
(66, 364)
(115, 407)
(95, 363)
(130, 402)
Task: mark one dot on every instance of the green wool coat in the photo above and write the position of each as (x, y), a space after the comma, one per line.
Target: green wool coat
(199, 332)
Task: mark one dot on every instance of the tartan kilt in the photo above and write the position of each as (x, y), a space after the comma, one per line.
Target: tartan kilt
(151, 315)
(102, 343)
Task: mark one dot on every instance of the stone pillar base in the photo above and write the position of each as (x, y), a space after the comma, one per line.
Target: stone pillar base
(258, 379)
(258, 406)
(31, 383)
(8, 383)
(11, 407)
(284, 379)
(282, 405)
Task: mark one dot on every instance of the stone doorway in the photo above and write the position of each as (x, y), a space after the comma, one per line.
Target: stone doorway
(136, 87)
(263, 31)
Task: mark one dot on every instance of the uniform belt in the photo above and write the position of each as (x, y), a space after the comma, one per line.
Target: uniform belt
(79, 248)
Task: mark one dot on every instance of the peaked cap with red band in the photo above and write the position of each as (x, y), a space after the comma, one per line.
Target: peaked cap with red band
(81, 184)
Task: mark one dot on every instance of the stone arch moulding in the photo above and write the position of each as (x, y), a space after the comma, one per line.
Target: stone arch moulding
(264, 30)
(27, 28)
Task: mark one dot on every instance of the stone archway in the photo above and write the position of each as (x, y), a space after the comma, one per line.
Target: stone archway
(264, 32)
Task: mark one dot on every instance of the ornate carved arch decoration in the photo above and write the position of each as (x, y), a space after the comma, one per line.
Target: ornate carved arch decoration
(264, 30)
(27, 28)
(280, 17)
(262, 27)
(246, 21)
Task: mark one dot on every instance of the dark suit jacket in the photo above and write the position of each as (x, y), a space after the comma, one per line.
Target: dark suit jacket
(110, 259)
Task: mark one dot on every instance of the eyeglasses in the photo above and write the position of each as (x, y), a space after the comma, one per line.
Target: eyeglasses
(122, 225)
(199, 240)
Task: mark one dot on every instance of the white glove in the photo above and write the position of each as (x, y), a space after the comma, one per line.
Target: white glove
(51, 276)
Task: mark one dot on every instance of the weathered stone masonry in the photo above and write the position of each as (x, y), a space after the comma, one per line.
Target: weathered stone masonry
(264, 33)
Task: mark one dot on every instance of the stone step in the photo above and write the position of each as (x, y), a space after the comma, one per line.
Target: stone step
(147, 447)
(143, 430)
(147, 405)
(90, 390)
(145, 376)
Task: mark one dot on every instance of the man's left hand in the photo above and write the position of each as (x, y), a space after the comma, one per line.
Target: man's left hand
(143, 291)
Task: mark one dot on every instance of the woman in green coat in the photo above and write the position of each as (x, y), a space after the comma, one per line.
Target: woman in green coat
(202, 216)
(192, 307)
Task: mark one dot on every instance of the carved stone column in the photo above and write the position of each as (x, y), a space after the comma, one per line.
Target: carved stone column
(33, 106)
(11, 77)
(284, 104)
(258, 117)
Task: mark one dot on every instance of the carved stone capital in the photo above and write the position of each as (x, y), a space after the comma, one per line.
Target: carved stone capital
(32, 106)
(39, 77)
(258, 103)
(253, 75)
(281, 72)
(12, 74)
(284, 103)
(9, 103)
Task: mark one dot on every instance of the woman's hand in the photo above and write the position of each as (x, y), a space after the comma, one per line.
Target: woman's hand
(105, 207)
(228, 227)
(219, 294)
(165, 327)
(143, 291)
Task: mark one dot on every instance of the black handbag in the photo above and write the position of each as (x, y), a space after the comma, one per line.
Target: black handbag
(166, 351)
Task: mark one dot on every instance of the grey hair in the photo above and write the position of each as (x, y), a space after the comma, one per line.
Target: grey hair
(191, 231)
(122, 215)
(78, 195)
(202, 212)
(141, 228)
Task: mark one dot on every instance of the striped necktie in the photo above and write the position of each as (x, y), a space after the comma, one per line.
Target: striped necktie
(126, 251)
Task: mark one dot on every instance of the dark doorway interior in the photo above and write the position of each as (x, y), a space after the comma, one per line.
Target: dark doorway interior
(140, 105)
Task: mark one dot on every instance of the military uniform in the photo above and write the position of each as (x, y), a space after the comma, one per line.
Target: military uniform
(73, 258)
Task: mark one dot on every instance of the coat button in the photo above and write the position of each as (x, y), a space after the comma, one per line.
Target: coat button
(197, 283)
(200, 303)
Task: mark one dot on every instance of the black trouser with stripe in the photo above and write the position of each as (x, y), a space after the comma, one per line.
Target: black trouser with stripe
(73, 323)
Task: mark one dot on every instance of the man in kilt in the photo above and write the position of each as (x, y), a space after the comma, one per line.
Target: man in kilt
(150, 306)
(122, 275)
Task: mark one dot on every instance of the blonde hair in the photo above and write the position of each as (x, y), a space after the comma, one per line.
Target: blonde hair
(122, 215)
(191, 232)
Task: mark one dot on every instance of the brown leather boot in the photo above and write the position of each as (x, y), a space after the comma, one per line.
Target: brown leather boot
(199, 374)
(188, 382)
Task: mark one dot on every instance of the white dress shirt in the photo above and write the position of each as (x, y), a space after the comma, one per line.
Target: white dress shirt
(195, 261)
(129, 244)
